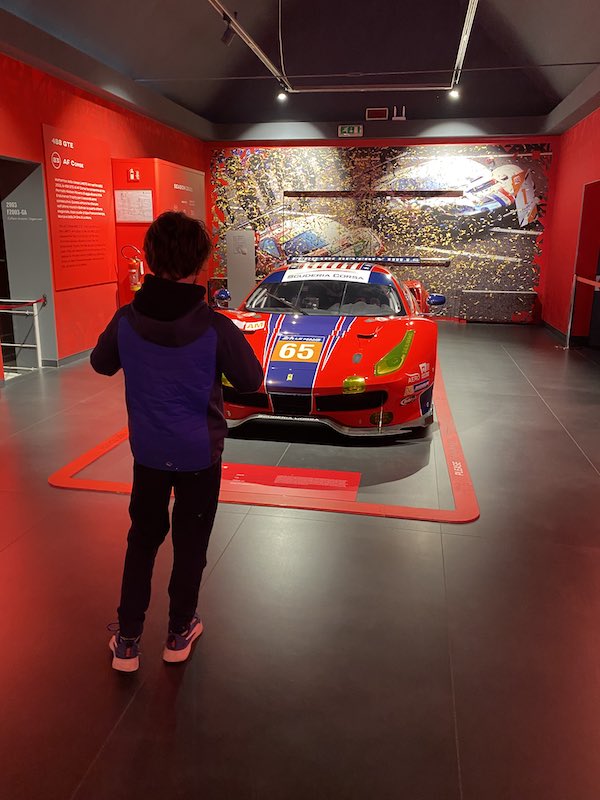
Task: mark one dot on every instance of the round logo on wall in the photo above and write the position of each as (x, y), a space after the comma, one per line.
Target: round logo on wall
(56, 160)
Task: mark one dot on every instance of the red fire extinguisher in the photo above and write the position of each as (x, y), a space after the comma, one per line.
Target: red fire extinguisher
(136, 266)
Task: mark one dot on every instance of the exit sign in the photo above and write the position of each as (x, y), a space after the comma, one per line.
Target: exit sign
(350, 131)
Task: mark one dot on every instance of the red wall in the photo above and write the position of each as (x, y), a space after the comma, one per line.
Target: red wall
(30, 98)
(578, 164)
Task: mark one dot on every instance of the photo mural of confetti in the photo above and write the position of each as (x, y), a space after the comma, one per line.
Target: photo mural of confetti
(473, 213)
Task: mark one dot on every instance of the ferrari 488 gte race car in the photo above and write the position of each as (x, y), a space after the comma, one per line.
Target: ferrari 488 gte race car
(342, 342)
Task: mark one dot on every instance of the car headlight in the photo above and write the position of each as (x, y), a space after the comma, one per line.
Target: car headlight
(354, 384)
(394, 360)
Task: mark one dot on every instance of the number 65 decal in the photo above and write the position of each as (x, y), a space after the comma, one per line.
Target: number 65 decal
(307, 352)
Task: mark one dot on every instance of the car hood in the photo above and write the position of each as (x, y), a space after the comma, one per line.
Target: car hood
(302, 353)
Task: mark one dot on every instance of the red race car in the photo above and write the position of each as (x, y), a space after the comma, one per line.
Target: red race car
(342, 342)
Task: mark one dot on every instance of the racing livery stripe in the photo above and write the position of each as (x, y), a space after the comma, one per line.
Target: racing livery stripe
(275, 322)
(304, 373)
(347, 323)
(274, 277)
(338, 332)
(330, 344)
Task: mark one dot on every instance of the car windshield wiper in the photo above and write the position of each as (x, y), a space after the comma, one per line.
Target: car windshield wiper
(287, 303)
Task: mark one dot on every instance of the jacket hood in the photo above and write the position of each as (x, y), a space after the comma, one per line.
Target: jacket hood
(169, 313)
(165, 300)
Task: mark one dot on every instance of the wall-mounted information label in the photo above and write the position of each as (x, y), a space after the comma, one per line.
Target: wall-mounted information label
(133, 205)
(82, 224)
(350, 131)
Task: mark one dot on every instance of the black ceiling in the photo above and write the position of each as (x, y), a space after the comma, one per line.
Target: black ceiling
(523, 58)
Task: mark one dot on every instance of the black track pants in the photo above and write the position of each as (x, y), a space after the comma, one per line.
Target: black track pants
(196, 498)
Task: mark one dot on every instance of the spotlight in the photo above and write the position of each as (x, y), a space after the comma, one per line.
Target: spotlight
(229, 34)
(282, 96)
(454, 94)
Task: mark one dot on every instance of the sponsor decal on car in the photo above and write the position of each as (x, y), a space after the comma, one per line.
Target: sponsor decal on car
(356, 273)
(407, 400)
(424, 369)
(416, 388)
(244, 325)
(414, 377)
(304, 349)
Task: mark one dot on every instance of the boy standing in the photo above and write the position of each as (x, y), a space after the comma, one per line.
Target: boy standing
(173, 350)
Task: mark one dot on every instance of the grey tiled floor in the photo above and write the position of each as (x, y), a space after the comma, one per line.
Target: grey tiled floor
(344, 656)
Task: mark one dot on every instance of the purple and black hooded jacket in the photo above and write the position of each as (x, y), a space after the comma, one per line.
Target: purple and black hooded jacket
(173, 350)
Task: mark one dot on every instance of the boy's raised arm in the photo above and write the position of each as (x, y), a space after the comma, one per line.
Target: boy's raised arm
(236, 357)
(105, 356)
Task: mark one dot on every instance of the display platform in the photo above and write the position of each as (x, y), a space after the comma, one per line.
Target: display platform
(423, 477)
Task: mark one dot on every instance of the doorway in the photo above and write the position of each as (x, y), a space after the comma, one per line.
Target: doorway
(25, 265)
(6, 327)
(585, 326)
(594, 338)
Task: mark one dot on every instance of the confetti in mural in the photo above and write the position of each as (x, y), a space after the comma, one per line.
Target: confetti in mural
(475, 212)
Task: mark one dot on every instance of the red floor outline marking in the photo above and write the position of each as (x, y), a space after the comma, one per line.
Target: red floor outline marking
(466, 507)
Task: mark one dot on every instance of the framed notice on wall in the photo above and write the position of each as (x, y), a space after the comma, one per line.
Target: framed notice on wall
(134, 205)
(82, 226)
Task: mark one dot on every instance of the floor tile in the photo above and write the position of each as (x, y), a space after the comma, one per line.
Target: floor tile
(323, 672)
(59, 588)
(365, 522)
(525, 648)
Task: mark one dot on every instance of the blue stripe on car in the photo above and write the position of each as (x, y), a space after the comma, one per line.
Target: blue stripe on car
(425, 401)
(275, 277)
(303, 374)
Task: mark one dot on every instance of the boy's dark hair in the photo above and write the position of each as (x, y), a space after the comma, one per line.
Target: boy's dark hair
(176, 245)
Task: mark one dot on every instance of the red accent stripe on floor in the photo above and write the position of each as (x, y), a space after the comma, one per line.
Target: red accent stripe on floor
(255, 491)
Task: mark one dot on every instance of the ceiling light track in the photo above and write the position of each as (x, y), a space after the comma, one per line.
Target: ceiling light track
(464, 41)
(287, 87)
(250, 43)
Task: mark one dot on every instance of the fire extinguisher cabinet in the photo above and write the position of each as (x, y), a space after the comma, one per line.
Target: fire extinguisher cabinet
(144, 188)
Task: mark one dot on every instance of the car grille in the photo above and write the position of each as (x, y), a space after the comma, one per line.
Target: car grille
(301, 404)
(253, 400)
(292, 404)
(351, 402)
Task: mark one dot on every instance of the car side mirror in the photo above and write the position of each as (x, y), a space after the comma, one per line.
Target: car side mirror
(221, 298)
(436, 300)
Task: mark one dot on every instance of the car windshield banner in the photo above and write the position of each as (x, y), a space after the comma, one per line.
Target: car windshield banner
(333, 271)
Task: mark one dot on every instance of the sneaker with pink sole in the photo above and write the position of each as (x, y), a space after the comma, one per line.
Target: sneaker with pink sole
(126, 652)
(179, 645)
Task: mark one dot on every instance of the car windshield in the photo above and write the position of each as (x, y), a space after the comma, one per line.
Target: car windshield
(303, 243)
(327, 297)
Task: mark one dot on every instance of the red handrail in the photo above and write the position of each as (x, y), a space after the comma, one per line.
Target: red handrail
(21, 303)
(588, 281)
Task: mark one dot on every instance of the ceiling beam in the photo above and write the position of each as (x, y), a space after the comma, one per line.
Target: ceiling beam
(583, 100)
(447, 129)
(24, 42)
